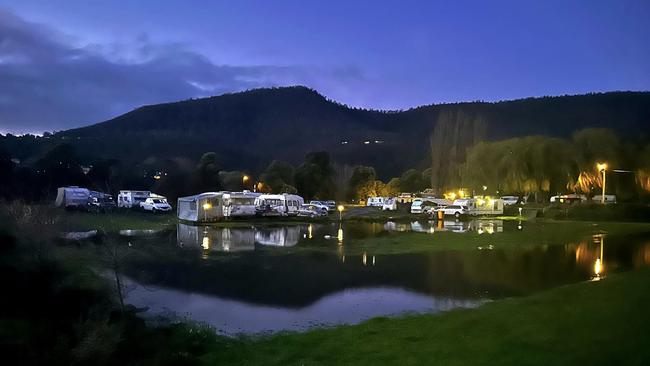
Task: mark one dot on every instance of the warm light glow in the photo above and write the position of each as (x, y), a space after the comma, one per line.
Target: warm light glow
(485, 188)
(206, 243)
(339, 236)
(207, 206)
(601, 166)
(480, 202)
(450, 195)
(598, 267)
(364, 259)
(432, 230)
(245, 178)
(340, 208)
(309, 231)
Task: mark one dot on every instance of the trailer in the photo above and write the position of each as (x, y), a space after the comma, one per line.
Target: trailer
(481, 205)
(239, 204)
(278, 204)
(131, 199)
(72, 197)
(204, 207)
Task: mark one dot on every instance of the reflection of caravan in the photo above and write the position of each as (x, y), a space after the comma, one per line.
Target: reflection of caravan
(278, 204)
(210, 238)
(481, 205)
(204, 207)
(287, 236)
(72, 197)
(131, 199)
(239, 203)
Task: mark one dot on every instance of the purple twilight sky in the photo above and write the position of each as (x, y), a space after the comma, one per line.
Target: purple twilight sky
(67, 63)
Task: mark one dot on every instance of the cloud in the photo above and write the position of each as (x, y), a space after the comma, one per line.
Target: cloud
(49, 83)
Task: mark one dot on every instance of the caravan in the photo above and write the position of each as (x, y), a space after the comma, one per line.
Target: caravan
(239, 203)
(131, 199)
(204, 207)
(72, 197)
(278, 204)
(481, 205)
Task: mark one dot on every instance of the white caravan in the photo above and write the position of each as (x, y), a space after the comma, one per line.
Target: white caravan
(482, 205)
(72, 197)
(278, 204)
(375, 201)
(204, 207)
(238, 204)
(131, 199)
(287, 236)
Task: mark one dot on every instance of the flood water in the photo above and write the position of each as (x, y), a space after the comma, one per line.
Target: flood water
(269, 278)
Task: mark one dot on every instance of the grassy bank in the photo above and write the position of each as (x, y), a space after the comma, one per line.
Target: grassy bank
(596, 323)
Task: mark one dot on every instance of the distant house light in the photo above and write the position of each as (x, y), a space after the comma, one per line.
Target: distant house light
(344, 142)
(379, 141)
(366, 142)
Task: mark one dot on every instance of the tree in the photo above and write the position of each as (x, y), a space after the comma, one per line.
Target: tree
(412, 181)
(362, 176)
(314, 178)
(278, 175)
(60, 167)
(206, 175)
(232, 181)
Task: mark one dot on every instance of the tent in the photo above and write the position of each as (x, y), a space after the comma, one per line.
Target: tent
(204, 207)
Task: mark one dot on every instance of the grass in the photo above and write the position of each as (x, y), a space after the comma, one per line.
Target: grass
(595, 323)
(118, 220)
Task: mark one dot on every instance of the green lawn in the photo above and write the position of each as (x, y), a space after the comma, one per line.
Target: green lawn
(595, 323)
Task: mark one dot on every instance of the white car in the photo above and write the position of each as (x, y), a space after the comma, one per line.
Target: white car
(156, 205)
(454, 210)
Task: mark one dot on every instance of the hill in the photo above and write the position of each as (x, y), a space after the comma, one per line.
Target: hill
(249, 129)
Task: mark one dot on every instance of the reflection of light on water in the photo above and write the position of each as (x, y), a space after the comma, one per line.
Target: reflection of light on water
(364, 259)
(205, 243)
(373, 260)
(340, 235)
(309, 231)
(598, 267)
(432, 230)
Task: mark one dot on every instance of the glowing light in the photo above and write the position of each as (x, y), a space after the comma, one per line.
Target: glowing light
(485, 188)
(364, 258)
(432, 230)
(309, 231)
(601, 166)
(205, 244)
(207, 206)
(480, 202)
(339, 236)
(598, 267)
(245, 178)
(340, 208)
(373, 260)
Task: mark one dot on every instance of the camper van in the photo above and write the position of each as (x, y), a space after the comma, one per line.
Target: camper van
(100, 202)
(427, 205)
(278, 204)
(204, 207)
(131, 199)
(72, 197)
(239, 204)
(481, 205)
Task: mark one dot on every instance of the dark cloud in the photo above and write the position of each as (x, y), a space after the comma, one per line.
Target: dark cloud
(47, 83)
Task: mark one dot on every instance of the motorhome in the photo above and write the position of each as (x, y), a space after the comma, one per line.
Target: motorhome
(204, 207)
(131, 199)
(239, 204)
(278, 204)
(72, 197)
(389, 205)
(481, 205)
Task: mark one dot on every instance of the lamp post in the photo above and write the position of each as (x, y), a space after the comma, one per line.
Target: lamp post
(244, 179)
(602, 167)
(340, 208)
(206, 207)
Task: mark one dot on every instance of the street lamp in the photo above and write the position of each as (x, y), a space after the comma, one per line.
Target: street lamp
(245, 179)
(340, 208)
(206, 207)
(602, 167)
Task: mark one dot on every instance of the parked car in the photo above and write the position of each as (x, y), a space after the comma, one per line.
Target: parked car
(324, 204)
(389, 205)
(331, 205)
(155, 204)
(100, 202)
(416, 206)
(428, 207)
(453, 210)
(312, 210)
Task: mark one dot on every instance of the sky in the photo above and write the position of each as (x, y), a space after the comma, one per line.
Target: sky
(70, 63)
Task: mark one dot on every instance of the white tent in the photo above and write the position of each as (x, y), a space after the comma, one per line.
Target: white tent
(204, 207)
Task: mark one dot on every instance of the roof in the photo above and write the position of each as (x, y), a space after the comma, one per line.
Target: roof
(201, 196)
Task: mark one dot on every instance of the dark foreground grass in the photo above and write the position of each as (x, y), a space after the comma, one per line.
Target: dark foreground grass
(595, 323)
